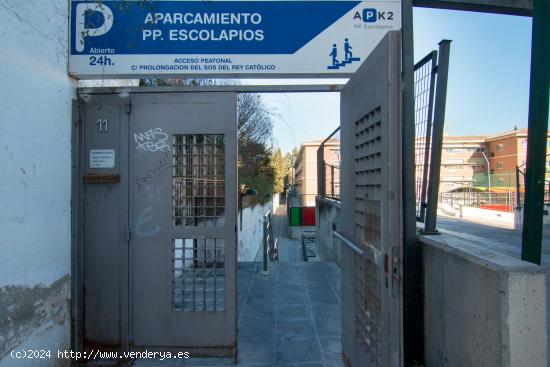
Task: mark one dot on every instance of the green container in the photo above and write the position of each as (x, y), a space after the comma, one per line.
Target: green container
(295, 216)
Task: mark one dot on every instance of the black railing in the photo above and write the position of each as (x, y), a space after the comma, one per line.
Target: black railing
(270, 250)
(502, 201)
(328, 174)
(332, 181)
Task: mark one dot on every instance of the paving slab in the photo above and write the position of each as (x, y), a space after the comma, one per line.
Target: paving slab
(287, 318)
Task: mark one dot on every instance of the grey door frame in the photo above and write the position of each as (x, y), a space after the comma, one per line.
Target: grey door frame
(79, 171)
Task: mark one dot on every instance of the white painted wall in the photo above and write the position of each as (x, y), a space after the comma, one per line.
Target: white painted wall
(35, 146)
(35, 149)
(503, 219)
(275, 202)
(251, 236)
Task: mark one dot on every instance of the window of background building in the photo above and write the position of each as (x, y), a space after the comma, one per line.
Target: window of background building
(500, 165)
(455, 178)
(500, 147)
(500, 181)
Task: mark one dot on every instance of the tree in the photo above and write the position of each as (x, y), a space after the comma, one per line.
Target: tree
(255, 140)
(255, 169)
(279, 171)
(254, 119)
(288, 161)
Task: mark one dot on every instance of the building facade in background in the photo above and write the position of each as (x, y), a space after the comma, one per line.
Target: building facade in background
(507, 150)
(464, 161)
(305, 168)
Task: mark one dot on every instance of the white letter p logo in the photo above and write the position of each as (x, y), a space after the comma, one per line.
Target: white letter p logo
(82, 31)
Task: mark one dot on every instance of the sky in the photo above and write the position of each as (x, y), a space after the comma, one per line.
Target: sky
(488, 86)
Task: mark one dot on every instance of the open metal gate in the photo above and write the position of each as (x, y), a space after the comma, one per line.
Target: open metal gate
(158, 222)
(372, 210)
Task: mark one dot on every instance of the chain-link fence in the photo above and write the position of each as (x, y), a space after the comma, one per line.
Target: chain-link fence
(430, 86)
(424, 88)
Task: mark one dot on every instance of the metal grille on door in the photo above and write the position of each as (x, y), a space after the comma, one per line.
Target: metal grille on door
(198, 180)
(198, 275)
(368, 170)
(198, 201)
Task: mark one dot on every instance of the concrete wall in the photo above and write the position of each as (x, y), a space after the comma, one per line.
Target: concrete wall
(251, 236)
(482, 308)
(328, 220)
(35, 156)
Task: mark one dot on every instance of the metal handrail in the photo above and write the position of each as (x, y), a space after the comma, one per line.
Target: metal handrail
(269, 242)
(370, 251)
(349, 243)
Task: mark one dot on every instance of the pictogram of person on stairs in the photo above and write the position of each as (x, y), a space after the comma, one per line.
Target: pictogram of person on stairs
(334, 55)
(347, 50)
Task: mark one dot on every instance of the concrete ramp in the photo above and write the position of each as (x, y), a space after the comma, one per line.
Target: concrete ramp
(290, 249)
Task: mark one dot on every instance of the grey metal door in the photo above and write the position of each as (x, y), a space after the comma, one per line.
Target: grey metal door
(183, 186)
(371, 210)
